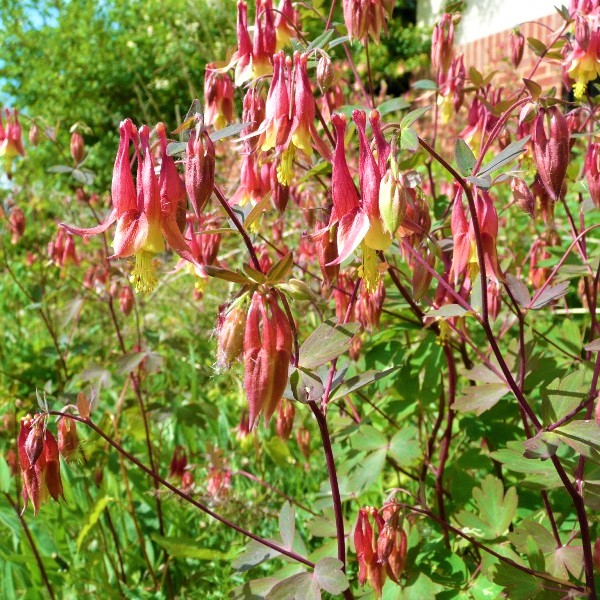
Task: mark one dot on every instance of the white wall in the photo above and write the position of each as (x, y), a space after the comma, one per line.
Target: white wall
(485, 17)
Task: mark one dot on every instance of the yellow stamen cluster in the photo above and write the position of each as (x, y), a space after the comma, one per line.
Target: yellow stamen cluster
(285, 170)
(143, 277)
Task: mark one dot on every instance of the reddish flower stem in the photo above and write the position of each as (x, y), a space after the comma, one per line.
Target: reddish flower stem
(140, 465)
(32, 545)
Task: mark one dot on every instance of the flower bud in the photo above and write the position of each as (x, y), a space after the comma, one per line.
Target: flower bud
(324, 73)
(442, 44)
(327, 251)
(16, 224)
(592, 171)
(77, 147)
(34, 134)
(230, 336)
(523, 196)
(126, 300)
(303, 440)
(199, 169)
(582, 31)
(393, 199)
(178, 463)
(68, 441)
(421, 279)
(285, 419)
(517, 45)
(550, 141)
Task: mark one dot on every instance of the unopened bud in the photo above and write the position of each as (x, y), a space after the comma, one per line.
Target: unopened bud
(550, 141)
(230, 336)
(582, 31)
(67, 437)
(523, 196)
(77, 147)
(517, 45)
(392, 202)
(34, 134)
(324, 73)
(126, 300)
(199, 169)
(285, 419)
(303, 439)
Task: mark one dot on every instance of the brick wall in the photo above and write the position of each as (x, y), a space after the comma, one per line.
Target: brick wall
(493, 52)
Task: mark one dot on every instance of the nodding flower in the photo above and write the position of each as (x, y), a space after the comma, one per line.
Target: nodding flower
(366, 18)
(11, 143)
(146, 212)
(464, 258)
(285, 21)
(267, 352)
(39, 461)
(358, 217)
(218, 97)
(582, 60)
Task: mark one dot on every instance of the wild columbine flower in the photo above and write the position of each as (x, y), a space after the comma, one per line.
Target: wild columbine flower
(366, 18)
(218, 97)
(550, 143)
(231, 325)
(464, 257)
(442, 44)
(34, 133)
(365, 544)
(242, 58)
(582, 63)
(265, 39)
(11, 143)
(275, 127)
(358, 217)
(267, 353)
(285, 20)
(204, 246)
(285, 419)
(517, 45)
(452, 85)
(583, 6)
(250, 189)
(143, 219)
(39, 461)
(592, 171)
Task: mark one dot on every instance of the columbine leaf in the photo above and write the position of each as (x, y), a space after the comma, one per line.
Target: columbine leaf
(287, 525)
(327, 342)
(409, 139)
(494, 509)
(329, 575)
(465, 159)
(359, 381)
(305, 385)
(480, 398)
(254, 554)
(507, 155)
(413, 115)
